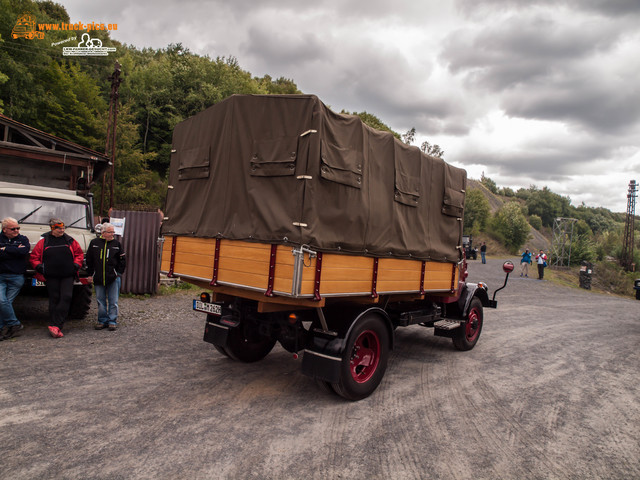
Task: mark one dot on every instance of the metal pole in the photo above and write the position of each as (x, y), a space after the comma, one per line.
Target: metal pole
(626, 259)
(111, 134)
(113, 145)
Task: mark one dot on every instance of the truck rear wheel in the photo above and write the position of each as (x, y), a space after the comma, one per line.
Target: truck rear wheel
(364, 360)
(80, 302)
(324, 386)
(221, 350)
(245, 344)
(467, 335)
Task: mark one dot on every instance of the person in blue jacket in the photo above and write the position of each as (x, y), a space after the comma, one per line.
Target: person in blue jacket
(14, 252)
(525, 262)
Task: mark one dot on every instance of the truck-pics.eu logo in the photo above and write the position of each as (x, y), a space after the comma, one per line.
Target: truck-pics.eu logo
(25, 27)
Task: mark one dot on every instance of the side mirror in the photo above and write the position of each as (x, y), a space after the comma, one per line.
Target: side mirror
(508, 268)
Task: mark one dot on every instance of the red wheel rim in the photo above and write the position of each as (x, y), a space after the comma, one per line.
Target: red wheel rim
(365, 356)
(473, 325)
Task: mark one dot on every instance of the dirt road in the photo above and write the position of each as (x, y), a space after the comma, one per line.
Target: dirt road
(550, 391)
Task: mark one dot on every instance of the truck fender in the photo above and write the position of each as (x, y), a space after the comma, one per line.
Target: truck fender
(473, 290)
(323, 356)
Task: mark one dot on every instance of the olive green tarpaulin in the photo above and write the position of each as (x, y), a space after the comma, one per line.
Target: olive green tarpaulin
(285, 169)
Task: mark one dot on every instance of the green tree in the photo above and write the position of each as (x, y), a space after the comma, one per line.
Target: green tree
(410, 136)
(535, 221)
(373, 121)
(548, 205)
(135, 186)
(54, 10)
(489, 184)
(3, 79)
(600, 223)
(583, 248)
(582, 228)
(170, 85)
(524, 193)
(70, 106)
(476, 211)
(510, 225)
(507, 192)
(433, 150)
(281, 86)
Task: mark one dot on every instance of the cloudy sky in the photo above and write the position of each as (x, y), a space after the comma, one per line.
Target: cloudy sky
(536, 92)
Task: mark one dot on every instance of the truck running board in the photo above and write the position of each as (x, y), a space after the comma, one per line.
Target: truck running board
(446, 325)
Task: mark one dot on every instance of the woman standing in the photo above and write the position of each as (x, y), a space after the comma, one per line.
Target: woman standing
(541, 258)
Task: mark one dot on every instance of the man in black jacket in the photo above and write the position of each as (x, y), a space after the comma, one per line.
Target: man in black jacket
(14, 252)
(106, 262)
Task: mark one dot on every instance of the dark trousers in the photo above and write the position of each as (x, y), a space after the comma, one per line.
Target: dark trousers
(60, 293)
(540, 270)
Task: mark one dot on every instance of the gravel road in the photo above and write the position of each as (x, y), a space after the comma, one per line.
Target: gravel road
(551, 391)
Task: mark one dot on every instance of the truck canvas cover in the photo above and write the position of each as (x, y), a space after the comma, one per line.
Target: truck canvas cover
(285, 169)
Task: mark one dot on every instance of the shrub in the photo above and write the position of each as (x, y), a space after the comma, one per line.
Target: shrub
(476, 211)
(510, 225)
(535, 221)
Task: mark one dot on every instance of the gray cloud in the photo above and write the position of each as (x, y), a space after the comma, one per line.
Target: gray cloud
(282, 48)
(612, 8)
(522, 49)
(581, 103)
(544, 68)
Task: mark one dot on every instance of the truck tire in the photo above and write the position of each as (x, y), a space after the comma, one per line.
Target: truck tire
(245, 344)
(221, 350)
(467, 335)
(364, 359)
(80, 302)
(325, 386)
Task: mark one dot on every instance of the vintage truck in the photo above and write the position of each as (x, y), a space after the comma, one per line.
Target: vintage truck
(33, 206)
(470, 252)
(309, 228)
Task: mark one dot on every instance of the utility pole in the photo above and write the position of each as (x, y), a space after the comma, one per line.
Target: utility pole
(629, 229)
(110, 147)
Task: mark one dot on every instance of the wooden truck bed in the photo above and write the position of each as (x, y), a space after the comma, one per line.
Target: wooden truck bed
(294, 276)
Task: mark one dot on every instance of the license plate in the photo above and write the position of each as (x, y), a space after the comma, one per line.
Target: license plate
(37, 283)
(212, 308)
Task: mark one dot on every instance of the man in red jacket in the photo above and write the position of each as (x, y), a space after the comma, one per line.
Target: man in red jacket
(57, 257)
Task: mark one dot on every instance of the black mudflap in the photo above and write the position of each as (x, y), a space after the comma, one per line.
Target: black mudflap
(216, 334)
